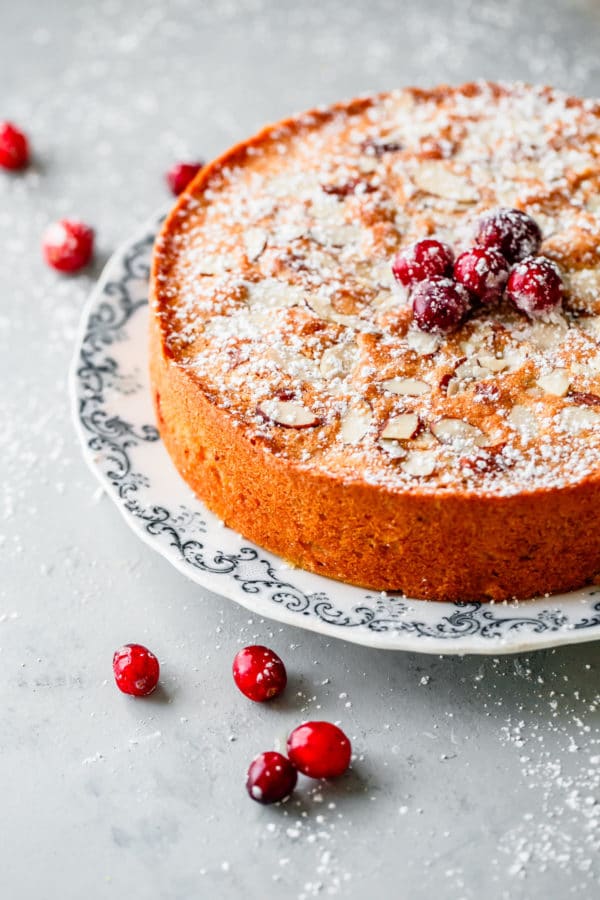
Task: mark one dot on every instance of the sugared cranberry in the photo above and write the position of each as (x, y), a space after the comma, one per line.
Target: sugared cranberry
(439, 305)
(14, 147)
(259, 673)
(136, 670)
(271, 777)
(515, 234)
(319, 749)
(535, 286)
(422, 260)
(180, 175)
(483, 271)
(68, 245)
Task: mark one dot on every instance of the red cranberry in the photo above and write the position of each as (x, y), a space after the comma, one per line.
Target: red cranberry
(439, 305)
(68, 245)
(136, 670)
(14, 148)
(535, 286)
(319, 749)
(271, 777)
(422, 260)
(259, 673)
(512, 232)
(483, 271)
(180, 175)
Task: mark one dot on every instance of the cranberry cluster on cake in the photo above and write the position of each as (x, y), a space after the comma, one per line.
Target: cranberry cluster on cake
(375, 340)
(444, 291)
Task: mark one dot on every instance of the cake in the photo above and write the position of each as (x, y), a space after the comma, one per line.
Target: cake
(303, 400)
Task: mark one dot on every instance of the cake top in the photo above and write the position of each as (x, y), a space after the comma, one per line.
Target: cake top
(274, 290)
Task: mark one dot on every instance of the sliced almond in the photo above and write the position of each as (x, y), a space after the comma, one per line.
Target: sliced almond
(523, 420)
(546, 335)
(422, 343)
(213, 265)
(385, 301)
(271, 293)
(556, 382)
(434, 178)
(420, 463)
(338, 360)
(470, 370)
(406, 387)
(355, 424)
(335, 235)
(492, 363)
(328, 211)
(323, 308)
(392, 448)
(457, 431)
(255, 241)
(575, 419)
(401, 427)
(288, 413)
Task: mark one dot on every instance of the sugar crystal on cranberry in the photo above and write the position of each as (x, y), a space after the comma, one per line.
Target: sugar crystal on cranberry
(535, 286)
(259, 673)
(68, 245)
(422, 260)
(483, 271)
(136, 670)
(510, 231)
(440, 305)
(271, 777)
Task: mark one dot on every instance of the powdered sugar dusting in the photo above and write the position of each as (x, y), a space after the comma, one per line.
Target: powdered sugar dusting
(285, 258)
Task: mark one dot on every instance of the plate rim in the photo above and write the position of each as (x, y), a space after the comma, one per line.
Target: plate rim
(394, 640)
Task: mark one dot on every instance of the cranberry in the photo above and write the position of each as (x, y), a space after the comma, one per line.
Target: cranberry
(535, 286)
(512, 232)
(422, 260)
(180, 175)
(68, 245)
(259, 673)
(440, 305)
(136, 670)
(14, 147)
(319, 749)
(271, 777)
(483, 271)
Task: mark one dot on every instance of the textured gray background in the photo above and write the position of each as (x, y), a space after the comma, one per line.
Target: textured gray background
(474, 777)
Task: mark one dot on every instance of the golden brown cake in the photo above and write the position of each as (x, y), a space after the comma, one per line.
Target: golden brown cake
(297, 397)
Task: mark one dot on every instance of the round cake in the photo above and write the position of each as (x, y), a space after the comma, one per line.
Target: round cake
(310, 402)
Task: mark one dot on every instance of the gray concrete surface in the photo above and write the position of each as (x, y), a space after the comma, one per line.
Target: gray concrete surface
(474, 778)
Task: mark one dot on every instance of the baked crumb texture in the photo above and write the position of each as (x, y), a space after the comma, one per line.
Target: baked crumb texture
(300, 403)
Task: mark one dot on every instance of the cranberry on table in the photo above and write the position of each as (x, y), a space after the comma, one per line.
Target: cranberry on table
(14, 147)
(180, 175)
(483, 271)
(271, 777)
(422, 260)
(136, 670)
(319, 749)
(535, 286)
(68, 245)
(510, 231)
(259, 673)
(440, 305)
